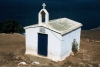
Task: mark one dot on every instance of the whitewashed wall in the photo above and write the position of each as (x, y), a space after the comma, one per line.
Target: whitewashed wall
(54, 43)
(66, 47)
(46, 16)
(59, 47)
(31, 40)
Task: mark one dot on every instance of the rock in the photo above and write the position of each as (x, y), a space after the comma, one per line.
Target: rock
(81, 64)
(98, 65)
(16, 61)
(54, 60)
(88, 60)
(72, 54)
(24, 58)
(97, 41)
(35, 63)
(87, 40)
(17, 57)
(82, 51)
(28, 61)
(92, 40)
(90, 65)
(22, 63)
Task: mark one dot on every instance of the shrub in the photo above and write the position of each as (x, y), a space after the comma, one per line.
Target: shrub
(74, 46)
(11, 26)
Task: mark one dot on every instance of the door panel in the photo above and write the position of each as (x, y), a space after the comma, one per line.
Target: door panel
(42, 44)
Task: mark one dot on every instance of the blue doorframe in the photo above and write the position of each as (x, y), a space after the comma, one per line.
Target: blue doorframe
(42, 44)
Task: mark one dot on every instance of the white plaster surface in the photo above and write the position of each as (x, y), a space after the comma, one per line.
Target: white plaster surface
(61, 26)
(40, 16)
(54, 43)
(68, 39)
(31, 40)
(61, 33)
(59, 47)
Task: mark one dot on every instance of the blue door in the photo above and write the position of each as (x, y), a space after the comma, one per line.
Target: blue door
(42, 44)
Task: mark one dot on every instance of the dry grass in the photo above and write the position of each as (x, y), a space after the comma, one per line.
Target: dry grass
(12, 43)
(12, 49)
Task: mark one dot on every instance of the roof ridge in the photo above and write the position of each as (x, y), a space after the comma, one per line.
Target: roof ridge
(61, 25)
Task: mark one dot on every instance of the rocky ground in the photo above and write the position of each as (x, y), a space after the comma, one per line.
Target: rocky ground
(12, 49)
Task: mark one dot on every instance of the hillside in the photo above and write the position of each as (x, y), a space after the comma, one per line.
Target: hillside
(12, 49)
(98, 28)
(11, 46)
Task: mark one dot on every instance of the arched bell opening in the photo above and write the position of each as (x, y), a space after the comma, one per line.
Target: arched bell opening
(43, 16)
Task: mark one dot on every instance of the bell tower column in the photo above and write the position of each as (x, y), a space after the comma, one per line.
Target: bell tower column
(43, 14)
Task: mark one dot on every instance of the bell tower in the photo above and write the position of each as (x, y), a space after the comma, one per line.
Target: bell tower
(43, 15)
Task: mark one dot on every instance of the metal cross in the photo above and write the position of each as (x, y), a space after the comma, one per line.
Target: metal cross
(43, 5)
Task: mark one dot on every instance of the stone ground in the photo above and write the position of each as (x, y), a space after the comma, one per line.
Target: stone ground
(12, 49)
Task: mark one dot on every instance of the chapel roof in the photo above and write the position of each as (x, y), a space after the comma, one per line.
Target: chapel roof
(61, 25)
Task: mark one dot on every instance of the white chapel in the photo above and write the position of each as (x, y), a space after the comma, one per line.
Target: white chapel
(52, 39)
